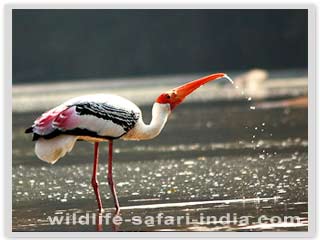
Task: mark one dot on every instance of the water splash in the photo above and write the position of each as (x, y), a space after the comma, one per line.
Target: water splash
(229, 78)
(257, 145)
(249, 99)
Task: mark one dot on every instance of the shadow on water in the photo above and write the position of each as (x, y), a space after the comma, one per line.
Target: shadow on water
(232, 160)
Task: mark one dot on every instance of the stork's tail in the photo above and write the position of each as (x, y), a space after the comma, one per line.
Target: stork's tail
(29, 130)
(51, 150)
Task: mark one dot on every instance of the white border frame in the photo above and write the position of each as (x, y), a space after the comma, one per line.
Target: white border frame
(311, 122)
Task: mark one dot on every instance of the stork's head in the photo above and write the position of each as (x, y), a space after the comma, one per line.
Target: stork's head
(175, 96)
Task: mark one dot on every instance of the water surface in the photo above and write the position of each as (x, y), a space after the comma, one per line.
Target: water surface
(205, 162)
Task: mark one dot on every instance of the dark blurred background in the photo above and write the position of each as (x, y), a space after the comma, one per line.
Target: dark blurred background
(79, 44)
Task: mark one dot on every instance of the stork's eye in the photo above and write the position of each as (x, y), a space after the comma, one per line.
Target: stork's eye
(167, 96)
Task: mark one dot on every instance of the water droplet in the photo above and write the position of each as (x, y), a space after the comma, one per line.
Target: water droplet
(120, 184)
(190, 162)
(209, 124)
(227, 77)
(249, 98)
(252, 107)
(282, 191)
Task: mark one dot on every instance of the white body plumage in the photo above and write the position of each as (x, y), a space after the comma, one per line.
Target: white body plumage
(65, 118)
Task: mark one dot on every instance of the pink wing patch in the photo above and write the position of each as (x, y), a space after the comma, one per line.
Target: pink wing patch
(66, 119)
(43, 124)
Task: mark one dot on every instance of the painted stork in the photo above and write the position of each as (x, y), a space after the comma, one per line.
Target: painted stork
(104, 118)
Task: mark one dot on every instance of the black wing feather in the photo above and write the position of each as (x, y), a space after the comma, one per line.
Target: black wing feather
(124, 118)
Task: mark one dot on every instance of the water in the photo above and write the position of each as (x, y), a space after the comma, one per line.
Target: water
(205, 161)
(242, 92)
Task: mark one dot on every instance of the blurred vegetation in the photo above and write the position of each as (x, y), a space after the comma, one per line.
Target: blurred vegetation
(73, 44)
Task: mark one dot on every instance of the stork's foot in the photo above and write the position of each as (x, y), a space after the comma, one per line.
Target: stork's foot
(117, 211)
(99, 226)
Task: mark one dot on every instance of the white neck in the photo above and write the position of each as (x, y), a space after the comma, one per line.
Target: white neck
(142, 131)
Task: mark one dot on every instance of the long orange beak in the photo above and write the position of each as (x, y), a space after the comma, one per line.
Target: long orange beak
(189, 87)
(178, 94)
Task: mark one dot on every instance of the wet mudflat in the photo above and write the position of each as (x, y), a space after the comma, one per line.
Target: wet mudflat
(212, 159)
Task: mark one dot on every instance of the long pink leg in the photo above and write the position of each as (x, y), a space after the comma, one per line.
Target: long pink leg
(94, 181)
(110, 179)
